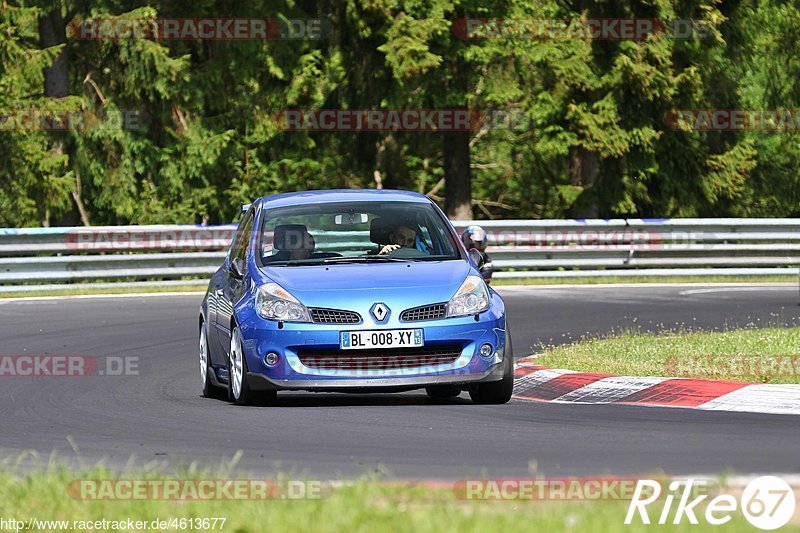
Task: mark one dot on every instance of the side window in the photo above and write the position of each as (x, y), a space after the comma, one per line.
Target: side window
(426, 237)
(434, 237)
(241, 244)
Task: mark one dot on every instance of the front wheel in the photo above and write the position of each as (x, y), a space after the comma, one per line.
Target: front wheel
(238, 388)
(497, 392)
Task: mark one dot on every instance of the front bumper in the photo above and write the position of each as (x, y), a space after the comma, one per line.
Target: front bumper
(262, 337)
(262, 382)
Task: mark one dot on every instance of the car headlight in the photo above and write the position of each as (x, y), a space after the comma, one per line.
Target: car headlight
(273, 302)
(472, 298)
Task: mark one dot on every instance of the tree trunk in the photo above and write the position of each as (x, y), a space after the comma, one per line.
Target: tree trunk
(584, 166)
(52, 32)
(76, 195)
(455, 144)
(457, 175)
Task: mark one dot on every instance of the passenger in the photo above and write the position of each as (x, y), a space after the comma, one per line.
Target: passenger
(293, 242)
(305, 248)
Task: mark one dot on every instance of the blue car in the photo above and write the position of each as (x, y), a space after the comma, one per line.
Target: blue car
(352, 291)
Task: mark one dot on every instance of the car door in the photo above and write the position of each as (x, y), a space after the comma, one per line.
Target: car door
(214, 294)
(230, 288)
(218, 280)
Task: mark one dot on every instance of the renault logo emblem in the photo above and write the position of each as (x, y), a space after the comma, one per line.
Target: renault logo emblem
(380, 312)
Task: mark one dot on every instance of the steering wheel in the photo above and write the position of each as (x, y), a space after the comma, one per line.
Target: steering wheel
(407, 253)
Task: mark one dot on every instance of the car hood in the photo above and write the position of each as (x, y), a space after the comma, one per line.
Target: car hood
(434, 281)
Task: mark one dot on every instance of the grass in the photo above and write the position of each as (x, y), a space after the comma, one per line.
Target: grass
(769, 355)
(86, 291)
(366, 505)
(606, 280)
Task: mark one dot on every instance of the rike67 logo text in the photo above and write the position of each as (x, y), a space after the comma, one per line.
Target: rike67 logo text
(767, 502)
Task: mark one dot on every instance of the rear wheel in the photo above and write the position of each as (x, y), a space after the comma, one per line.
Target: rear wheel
(208, 388)
(497, 392)
(443, 391)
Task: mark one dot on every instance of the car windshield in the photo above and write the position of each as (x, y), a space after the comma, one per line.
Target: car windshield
(332, 233)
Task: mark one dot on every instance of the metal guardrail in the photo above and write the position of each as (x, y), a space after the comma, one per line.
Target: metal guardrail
(519, 249)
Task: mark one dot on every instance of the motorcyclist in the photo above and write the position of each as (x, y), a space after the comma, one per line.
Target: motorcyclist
(474, 237)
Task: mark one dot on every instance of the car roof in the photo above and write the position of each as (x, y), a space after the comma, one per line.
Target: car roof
(341, 195)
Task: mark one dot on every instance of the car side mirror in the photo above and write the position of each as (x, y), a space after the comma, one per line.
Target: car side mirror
(236, 268)
(477, 257)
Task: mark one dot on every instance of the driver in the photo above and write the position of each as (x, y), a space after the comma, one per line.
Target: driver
(400, 237)
(404, 236)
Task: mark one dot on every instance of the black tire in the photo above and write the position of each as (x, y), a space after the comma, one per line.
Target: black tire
(208, 389)
(443, 391)
(246, 395)
(497, 392)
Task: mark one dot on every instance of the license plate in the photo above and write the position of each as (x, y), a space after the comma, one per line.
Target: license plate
(383, 338)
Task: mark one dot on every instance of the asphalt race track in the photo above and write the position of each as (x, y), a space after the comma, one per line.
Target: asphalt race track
(158, 415)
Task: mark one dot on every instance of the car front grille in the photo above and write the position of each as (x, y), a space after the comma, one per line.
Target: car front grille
(334, 316)
(388, 359)
(427, 312)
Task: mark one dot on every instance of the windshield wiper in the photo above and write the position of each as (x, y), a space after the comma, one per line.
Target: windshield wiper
(294, 263)
(384, 258)
(363, 258)
(344, 260)
(436, 258)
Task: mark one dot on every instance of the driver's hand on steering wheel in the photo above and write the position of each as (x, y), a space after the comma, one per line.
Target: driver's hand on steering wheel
(389, 248)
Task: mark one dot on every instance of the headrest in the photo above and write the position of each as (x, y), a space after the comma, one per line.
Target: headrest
(289, 236)
(379, 230)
